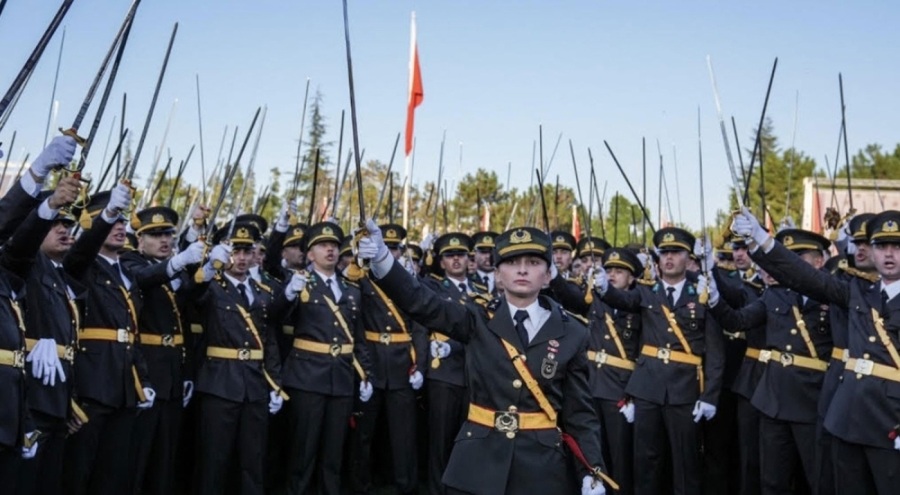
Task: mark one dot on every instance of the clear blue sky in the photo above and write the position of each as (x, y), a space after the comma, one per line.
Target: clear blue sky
(492, 72)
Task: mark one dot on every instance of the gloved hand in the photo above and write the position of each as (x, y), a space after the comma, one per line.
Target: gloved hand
(554, 271)
(703, 410)
(66, 192)
(408, 265)
(220, 253)
(45, 362)
(591, 486)
(746, 225)
(644, 258)
(365, 391)
(416, 380)
(187, 393)
(372, 246)
(150, 394)
(428, 242)
(897, 443)
(628, 411)
(193, 254)
(295, 286)
(28, 452)
(601, 281)
(704, 283)
(119, 200)
(704, 252)
(275, 402)
(57, 154)
(439, 349)
(283, 221)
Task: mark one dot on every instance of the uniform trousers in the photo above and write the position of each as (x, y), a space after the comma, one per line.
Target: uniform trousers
(864, 470)
(617, 438)
(661, 430)
(824, 482)
(748, 418)
(448, 406)
(318, 426)
(785, 447)
(720, 447)
(396, 409)
(10, 461)
(229, 428)
(154, 446)
(43, 474)
(96, 457)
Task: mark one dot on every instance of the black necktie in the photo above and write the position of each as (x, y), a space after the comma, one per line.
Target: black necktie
(670, 296)
(884, 301)
(331, 288)
(520, 317)
(243, 290)
(463, 288)
(487, 282)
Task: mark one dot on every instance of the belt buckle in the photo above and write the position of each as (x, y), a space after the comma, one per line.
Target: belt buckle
(69, 354)
(845, 355)
(664, 354)
(864, 367)
(335, 350)
(122, 335)
(243, 354)
(601, 358)
(168, 340)
(384, 338)
(18, 359)
(765, 355)
(787, 359)
(506, 422)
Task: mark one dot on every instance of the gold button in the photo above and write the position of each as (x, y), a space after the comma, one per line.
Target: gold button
(858, 376)
(468, 433)
(669, 330)
(607, 337)
(872, 338)
(334, 339)
(866, 356)
(513, 409)
(787, 347)
(388, 328)
(793, 331)
(335, 323)
(668, 346)
(510, 435)
(517, 383)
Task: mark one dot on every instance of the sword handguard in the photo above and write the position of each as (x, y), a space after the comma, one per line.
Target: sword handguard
(357, 270)
(73, 133)
(198, 275)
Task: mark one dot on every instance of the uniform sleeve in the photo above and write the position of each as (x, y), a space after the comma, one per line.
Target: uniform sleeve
(420, 343)
(578, 417)
(731, 290)
(19, 253)
(629, 300)
(569, 294)
(713, 362)
(85, 250)
(786, 267)
(747, 318)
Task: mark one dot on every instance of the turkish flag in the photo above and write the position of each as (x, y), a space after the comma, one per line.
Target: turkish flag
(416, 92)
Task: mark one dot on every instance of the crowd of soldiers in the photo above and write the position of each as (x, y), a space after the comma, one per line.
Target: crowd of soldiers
(303, 359)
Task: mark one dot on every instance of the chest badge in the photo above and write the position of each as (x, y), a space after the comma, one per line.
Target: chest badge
(548, 368)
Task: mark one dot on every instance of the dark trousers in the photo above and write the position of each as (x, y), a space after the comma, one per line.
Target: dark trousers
(10, 460)
(862, 470)
(656, 429)
(227, 429)
(399, 408)
(617, 437)
(43, 474)
(96, 457)
(318, 426)
(154, 444)
(788, 451)
(448, 406)
(720, 447)
(748, 447)
(824, 484)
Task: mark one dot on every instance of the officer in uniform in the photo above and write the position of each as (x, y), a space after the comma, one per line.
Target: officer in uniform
(320, 372)
(160, 276)
(563, 247)
(590, 251)
(483, 243)
(863, 413)
(239, 378)
(399, 350)
(613, 349)
(111, 378)
(527, 374)
(678, 376)
(796, 354)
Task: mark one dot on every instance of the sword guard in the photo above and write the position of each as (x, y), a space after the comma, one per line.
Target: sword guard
(73, 133)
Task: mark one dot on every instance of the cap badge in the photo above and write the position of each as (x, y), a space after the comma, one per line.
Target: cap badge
(157, 218)
(560, 238)
(454, 241)
(391, 234)
(890, 226)
(327, 231)
(670, 237)
(298, 232)
(788, 240)
(614, 256)
(488, 239)
(519, 237)
(242, 233)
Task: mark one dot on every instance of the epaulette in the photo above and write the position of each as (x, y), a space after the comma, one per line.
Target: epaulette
(726, 265)
(482, 299)
(576, 280)
(753, 284)
(566, 313)
(648, 283)
(871, 277)
(351, 283)
(435, 276)
(264, 287)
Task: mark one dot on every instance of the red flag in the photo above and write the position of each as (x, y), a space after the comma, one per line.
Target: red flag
(486, 219)
(576, 225)
(416, 92)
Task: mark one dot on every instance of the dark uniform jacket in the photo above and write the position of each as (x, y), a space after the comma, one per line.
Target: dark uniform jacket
(737, 292)
(674, 383)
(486, 461)
(105, 370)
(224, 326)
(451, 369)
(161, 316)
(865, 408)
(314, 320)
(392, 363)
(786, 393)
(607, 382)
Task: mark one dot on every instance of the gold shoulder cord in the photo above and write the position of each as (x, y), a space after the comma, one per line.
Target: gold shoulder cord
(801, 325)
(676, 329)
(343, 323)
(255, 332)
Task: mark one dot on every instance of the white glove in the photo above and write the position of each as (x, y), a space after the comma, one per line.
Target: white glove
(30, 452)
(897, 443)
(554, 271)
(295, 286)
(275, 402)
(365, 391)
(704, 252)
(645, 258)
(193, 254)
(439, 349)
(284, 216)
(150, 394)
(601, 280)
(188, 393)
(703, 410)
(416, 380)
(704, 283)
(221, 253)
(591, 486)
(119, 200)
(746, 225)
(428, 242)
(628, 411)
(408, 265)
(45, 362)
(58, 153)
(372, 246)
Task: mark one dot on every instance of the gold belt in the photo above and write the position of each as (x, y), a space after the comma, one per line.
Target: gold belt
(16, 359)
(388, 338)
(840, 354)
(752, 353)
(66, 352)
(238, 354)
(509, 421)
(602, 358)
(870, 368)
(121, 335)
(787, 359)
(322, 348)
(667, 355)
(167, 340)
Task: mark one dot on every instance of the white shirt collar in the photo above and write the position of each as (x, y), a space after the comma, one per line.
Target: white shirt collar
(237, 282)
(678, 288)
(537, 316)
(891, 289)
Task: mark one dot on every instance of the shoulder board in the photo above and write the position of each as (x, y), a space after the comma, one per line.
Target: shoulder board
(578, 317)
(264, 287)
(479, 286)
(493, 304)
(753, 284)
(870, 277)
(727, 266)
(575, 280)
(648, 283)
(352, 283)
(435, 276)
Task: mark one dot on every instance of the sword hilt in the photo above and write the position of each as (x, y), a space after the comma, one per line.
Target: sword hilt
(198, 275)
(356, 271)
(73, 133)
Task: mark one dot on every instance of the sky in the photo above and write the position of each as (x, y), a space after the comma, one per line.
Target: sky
(493, 72)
